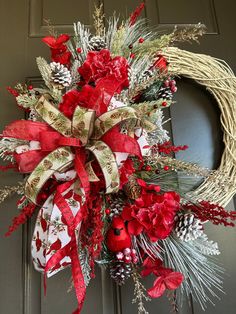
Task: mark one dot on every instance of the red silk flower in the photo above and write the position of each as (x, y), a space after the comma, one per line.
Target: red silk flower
(99, 66)
(59, 51)
(69, 102)
(152, 213)
(95, 98)
(167, 279)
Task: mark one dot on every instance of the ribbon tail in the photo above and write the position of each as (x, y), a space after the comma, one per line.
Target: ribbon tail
(72, 222)
(81, 172)
(78, 278)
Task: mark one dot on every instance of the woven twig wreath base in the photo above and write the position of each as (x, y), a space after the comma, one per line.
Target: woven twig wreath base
(220, 81)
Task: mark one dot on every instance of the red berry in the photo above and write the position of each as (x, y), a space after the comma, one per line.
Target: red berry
(148, 168)
(166, 168)
(132, 55)
(130, 46)
(164, 104)
(79, 50)
(141, 40)
(30, 87)
(173, 89)
(127, 259)
(107, 211)
(167, 83)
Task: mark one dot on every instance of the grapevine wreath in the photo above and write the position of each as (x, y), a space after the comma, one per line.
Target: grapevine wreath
(99, 167)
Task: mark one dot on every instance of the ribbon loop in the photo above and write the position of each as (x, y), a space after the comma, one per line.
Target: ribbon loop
(111, 118)
(53, 116)
(82, 124)
(55, 161)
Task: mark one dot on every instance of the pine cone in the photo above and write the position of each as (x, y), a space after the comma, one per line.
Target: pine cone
(32, 115)
(116, 206)
(165, 93)
(60, 74)
(132, 188)
(97, 43)
(146, 75)
(188, 227)
(120, 272)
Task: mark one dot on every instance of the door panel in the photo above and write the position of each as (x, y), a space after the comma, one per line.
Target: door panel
(195, 121)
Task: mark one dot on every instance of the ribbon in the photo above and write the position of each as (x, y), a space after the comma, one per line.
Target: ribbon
(71, 249)
(84, 132)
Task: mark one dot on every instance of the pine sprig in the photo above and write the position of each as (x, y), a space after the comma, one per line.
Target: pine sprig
(207, 247)
(202, 275)
(139, 294)
(81, 40)
(8, 146)
(45, 70)
(85, 267)
(26, 101)
(151, 47)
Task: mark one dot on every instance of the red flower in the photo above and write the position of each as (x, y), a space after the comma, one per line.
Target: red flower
(158, 218)
(69, 103)
(57, 43)
(94, 98)
(59, 51)
(152, 213)
(99, 66)
(89, 97)
(166, 277)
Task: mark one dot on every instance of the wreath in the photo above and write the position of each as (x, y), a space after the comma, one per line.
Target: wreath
(99, 167)
(220, 81)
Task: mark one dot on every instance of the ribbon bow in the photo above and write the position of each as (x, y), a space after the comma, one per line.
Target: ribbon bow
(68, 144)
(84, 132)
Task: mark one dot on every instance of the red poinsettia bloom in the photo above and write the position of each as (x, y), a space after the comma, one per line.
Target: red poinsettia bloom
(152, 213)
(59, 51)
(166, 277)
(99, 65)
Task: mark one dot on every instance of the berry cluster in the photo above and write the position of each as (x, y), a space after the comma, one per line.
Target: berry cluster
(171, 84)
(128, 256)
